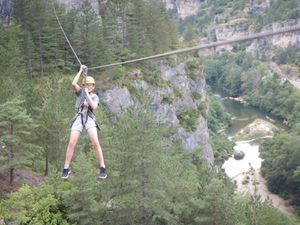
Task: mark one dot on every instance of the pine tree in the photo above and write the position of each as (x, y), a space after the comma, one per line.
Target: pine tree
(160, 31)
(41, 39)
(87, 200)
(12, 70)
(113, 31)
(139, 21)
(55, 115)
(33, 205)
(189, 34)
(141, 189)
(15, 129)
(87, 35)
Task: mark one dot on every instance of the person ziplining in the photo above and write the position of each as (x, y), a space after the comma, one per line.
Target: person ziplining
(86, 103)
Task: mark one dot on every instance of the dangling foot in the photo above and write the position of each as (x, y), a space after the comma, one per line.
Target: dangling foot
(65, 173)
(103, 173)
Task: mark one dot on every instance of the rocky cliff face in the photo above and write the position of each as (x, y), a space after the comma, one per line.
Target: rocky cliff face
(73, 4)
(238, 26)
(257, 6)
(263, 48)
(5, 10)
(180, 94)
(184, 8)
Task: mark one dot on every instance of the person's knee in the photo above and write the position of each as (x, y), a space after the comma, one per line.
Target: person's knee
(72, 144)
(95, 144)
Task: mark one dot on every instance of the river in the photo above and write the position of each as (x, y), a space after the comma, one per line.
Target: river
(249, 166)
(250, 161)
(242, 115)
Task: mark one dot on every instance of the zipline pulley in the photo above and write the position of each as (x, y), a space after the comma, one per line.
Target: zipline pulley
(85, 71)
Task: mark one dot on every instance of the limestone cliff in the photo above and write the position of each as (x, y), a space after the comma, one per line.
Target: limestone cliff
(263, 48)
(180, 93)
(184, 8)
(5, 10)
(73, 4)
(229, 24)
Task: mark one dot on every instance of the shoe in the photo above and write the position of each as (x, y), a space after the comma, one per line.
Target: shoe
(65, 173)
(103, 173)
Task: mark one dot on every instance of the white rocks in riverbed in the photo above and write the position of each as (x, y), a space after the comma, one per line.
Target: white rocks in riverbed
(257, 129)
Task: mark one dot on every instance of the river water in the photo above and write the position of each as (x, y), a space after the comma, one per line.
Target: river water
(250, 161)
(236, 169)
(242, 115)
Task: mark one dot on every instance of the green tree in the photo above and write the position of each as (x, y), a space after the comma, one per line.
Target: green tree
(160, 31)
(189, 34)
(12, 69)
(55, 115)
(15, 129)
(87, 34)
(232, 80)
(213, 70)
(33, 205)
(42, 42)
(252, 210)
(252, 78)
(213, 201)
(281, 163)
(87, 200)
(146, 185)
(139, 146)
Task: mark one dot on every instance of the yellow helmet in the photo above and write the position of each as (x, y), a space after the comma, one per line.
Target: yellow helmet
(88, 80)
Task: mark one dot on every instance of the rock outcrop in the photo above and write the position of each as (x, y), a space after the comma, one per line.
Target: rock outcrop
(265, 48)
(73, 4)
(184, 8)
(116, 99)
(5, 10)
(258, 6)
(178, 94)
(256, 130)
(238, 154)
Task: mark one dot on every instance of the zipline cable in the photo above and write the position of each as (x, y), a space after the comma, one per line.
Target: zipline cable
(62, 29)
(180, 51)
(198, 47)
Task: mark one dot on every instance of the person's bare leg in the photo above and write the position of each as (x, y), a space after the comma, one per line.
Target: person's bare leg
(74, 136)
(92, 132)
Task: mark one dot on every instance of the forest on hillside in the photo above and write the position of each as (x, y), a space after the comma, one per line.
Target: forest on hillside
(152, 180)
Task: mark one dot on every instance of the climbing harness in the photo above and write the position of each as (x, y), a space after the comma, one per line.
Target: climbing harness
(180, 51)
(84, 111)
(84, 116)
(82, 107)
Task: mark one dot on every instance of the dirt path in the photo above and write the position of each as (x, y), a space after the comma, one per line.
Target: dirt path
(256, 183)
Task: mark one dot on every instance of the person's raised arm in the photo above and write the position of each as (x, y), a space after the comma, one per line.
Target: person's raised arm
(75, 85)
(91, 102)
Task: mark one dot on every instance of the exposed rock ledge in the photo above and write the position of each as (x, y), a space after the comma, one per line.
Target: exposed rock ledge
(238, 99)
(257, 129)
